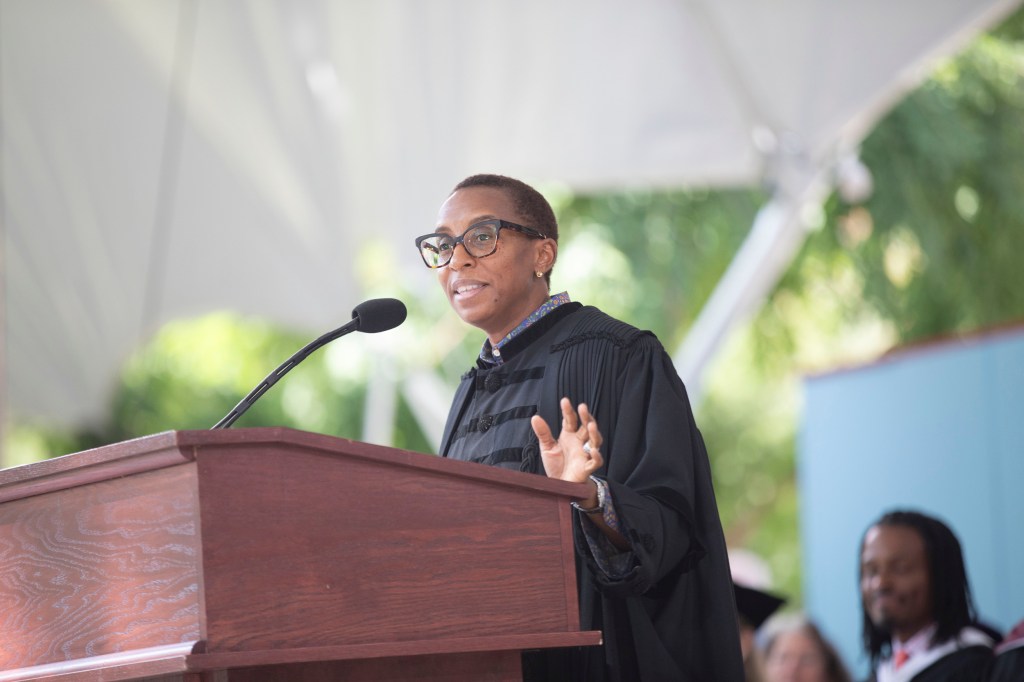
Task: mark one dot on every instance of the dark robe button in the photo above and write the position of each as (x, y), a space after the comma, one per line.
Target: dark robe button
(485, 422)
(530, 454)
(493, 382)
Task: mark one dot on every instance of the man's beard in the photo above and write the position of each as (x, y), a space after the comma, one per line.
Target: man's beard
(883, 622)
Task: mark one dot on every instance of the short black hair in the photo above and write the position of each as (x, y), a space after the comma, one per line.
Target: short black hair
(952, 604)
(534, 208)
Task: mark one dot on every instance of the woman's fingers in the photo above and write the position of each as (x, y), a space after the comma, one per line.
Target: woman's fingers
(593, 434)
(569, 421)
(575, 454)
(543, 431)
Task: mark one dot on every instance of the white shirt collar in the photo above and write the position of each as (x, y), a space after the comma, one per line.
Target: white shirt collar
(918, 643)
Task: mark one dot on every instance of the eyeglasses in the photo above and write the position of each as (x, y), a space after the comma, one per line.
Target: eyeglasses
(480, 240)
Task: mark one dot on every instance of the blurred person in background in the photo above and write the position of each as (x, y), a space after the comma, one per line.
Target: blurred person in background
(795, 650)
(1008, 665)
(919, 620)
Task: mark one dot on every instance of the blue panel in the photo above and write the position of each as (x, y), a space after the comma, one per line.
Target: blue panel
(1008, 488)
(939, 430)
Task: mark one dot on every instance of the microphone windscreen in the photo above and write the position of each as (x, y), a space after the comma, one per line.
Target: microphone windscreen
(379, 315)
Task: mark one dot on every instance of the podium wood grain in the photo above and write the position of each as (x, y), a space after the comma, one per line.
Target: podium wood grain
(221, 552)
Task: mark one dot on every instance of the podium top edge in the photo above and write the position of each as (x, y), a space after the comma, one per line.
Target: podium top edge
(395, 456)
(171, 448)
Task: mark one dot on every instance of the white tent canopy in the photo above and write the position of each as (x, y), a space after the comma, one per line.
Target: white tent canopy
(163, 158)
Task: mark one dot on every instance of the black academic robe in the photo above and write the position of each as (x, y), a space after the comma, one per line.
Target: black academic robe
(1008, 666)
(964, 665)
(969, 664)
(672, 615)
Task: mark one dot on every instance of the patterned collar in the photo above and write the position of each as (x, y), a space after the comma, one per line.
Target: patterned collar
(491, 355)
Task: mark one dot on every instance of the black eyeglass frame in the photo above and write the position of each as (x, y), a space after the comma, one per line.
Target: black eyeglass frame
(501, 225)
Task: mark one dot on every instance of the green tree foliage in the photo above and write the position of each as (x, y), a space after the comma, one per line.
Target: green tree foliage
(660, 255)
(194, 371)
(936, 248)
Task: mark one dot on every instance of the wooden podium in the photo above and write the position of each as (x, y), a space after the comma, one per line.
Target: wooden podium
(274, 554)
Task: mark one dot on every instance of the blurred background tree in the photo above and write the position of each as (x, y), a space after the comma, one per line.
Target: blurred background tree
(934, 251)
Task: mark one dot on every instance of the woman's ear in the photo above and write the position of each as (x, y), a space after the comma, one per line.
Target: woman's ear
(547, 252)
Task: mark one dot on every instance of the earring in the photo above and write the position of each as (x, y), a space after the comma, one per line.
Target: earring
(539, 274)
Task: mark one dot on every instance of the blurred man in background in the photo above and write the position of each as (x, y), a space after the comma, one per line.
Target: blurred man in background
(919, 617)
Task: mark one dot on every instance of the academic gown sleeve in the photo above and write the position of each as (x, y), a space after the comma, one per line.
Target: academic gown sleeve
(675, 609)
(653, 467)
(969, 664)
(1008, 666)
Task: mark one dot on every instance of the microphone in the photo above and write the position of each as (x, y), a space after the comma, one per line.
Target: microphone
(377, 315)
(371, 317)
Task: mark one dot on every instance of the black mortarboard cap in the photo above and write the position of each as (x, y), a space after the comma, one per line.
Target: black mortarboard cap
(754, 605)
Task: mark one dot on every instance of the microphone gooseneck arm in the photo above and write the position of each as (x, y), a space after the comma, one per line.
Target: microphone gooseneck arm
(375, 315)
(272, 378)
